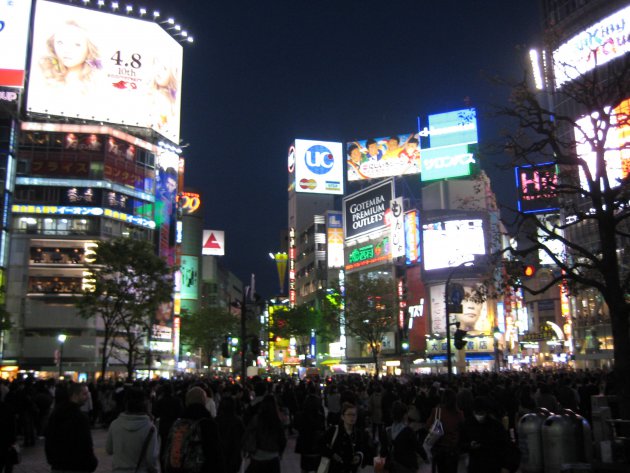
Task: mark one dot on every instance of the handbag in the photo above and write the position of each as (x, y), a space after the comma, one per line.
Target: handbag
(324, 463)
(436, 432)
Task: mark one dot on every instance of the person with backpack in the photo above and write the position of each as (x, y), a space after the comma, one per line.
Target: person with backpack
(132, 437)
(166, 409)
(193, 443)
(265, 439)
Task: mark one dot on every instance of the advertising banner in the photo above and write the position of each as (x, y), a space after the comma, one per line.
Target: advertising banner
(617, 154)
(453, 139)
(364, 211)
(377, 251)
(473, 318)
(97, 66)
(189, 268)
(536, 187)
(397, 227)
(412, 237)
(334, 235)
(391, 156)
(318, 167)
(596, 45)
(14, 22)
(449, 243)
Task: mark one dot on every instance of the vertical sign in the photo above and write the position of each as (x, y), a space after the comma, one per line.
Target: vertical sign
(397, 227)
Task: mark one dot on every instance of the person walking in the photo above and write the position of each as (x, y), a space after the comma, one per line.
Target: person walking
(310, 423)
(346, 447)
(265, 438)
(445, 453)
(231, 430)
(166, 409)
(194, 438)
(488, 443)
(132, 437)
(68, 444)
(402, 445)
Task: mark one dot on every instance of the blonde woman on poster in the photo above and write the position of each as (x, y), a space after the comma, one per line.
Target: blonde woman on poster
(71, 60)
(164, 93)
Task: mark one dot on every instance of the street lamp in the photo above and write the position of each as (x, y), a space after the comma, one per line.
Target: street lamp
(449, 362)
(61, 338)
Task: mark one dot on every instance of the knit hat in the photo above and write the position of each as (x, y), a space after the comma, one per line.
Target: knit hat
(196, 395)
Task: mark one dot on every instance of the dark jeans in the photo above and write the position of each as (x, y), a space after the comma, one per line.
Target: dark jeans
(269, 466)
(445, 461)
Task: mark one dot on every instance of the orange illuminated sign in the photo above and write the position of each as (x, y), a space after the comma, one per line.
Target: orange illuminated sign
(189, 202)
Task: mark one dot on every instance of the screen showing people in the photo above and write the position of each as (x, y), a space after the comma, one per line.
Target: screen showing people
(97, 66)
(374, 158)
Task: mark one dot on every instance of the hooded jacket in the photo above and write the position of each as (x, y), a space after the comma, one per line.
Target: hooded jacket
(125, 439)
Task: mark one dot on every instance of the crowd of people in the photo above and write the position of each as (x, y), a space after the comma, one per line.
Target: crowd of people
(203, 424)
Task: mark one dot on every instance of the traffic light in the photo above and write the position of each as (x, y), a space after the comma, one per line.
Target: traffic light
(459, 340)
(529, 270)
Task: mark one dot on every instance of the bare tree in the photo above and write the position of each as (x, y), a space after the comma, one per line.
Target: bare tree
(583, 133)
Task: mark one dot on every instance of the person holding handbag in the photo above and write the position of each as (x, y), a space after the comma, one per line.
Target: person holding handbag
(132, 437)
(345, 447)
(445, 452)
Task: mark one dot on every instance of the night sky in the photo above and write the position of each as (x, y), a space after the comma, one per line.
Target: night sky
(262, 73)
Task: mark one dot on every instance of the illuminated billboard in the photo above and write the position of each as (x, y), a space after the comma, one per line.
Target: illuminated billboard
(334, 239)
(449, 242)
(213, 243)
(97, 66)
(189, 268)
(412, 237)
(374, 252)
(364, 211)
(536, 185)
(598, 44)
(391, 156)
(189, 202)
(617, 155)
(14, 22)
(474, 317)
(453, 144)
(318, 167)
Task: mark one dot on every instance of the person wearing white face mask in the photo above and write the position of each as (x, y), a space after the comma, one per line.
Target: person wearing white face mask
(489, 447)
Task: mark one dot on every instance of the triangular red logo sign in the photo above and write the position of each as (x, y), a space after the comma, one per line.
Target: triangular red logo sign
(212, 242)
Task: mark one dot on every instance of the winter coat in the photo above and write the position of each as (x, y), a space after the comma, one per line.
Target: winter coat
(346, 446)
(125, 439)
(69, 440)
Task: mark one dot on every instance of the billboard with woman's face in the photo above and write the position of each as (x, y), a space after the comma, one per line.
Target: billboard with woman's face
(97, 66)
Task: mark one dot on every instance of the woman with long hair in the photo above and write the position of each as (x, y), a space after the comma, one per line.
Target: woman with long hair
(265, 440)
(345, 446)
(311, 425)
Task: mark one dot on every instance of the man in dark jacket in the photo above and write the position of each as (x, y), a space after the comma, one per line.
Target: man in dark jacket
(68, 437)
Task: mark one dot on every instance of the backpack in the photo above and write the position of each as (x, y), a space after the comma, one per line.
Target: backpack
(184, 448)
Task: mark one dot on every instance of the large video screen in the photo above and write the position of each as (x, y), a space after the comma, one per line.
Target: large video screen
(596, 45)
(391, 156)
(318, 167)
(98, 66)
(448, 243)
(617, 155)
(14, 20)
(536, 185)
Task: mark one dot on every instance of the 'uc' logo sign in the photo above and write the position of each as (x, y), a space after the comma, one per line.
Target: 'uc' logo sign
(319, 159)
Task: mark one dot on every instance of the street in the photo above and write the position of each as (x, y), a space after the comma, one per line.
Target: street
(34, 459)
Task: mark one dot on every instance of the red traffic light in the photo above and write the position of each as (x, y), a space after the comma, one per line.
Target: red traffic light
(529, 270)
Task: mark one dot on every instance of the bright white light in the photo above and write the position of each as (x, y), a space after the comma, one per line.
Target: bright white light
(190, 39)
(171, 21)
(61, 338)
(129, 8)
(101, 3)
(114, 5)
(156, 14)
(535, 60)
(184, 33)
(143, 11)
(178, 27)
